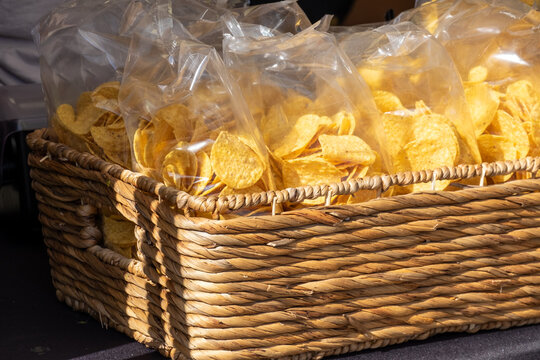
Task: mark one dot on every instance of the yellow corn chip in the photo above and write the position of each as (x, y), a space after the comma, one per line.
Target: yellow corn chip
(521, 99)
(117, 231)
(301, 135)
(483, 104)
(87, 114)
(110, 140)
(235, 163)
(180, 167)
(347, 149)
(296, 105)
(105, 96)
(386, 101)
(302, 172)
(497, 148)
(505, 125)
(373, 77)
(179, 118)
(478, 74)
(345, 121)
(204, 174)
(397, 131)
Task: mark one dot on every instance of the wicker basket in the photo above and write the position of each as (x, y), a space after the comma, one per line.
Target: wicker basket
(298, 285)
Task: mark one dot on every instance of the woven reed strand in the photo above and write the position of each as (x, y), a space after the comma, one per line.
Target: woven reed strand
(298, 285)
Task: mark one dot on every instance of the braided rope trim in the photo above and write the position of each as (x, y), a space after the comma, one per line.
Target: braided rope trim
(39, 141)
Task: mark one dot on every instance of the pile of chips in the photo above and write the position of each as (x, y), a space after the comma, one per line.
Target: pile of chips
(311, 149)
(118, 235)
(418, 139)
(198, 155)
(507, 122)
(94, 125)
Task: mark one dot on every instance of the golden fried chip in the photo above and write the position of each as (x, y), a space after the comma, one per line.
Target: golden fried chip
(497, 148)
(117, 231)
(87, 114)
(274, 125)
(387, 102)
(346, 149)
(426, 154)
(110, 140)
(373, 77)
(345, 122)
(204, 173)
(505, 125)
(397, 131)
(420, 108)
(179, 118)
(302, 134)
(483, 104)
(296, 105)
(180, 167)
(105, 96)
(435, 145)
(478, 74)
(521, 99)
(235, 163)
(302, 172)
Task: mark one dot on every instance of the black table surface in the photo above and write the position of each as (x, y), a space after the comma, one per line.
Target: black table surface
(35, 325)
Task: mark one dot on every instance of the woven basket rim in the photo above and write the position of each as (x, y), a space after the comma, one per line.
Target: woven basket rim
(41, 139)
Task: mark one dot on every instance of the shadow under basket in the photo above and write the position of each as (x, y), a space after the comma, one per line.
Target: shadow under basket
(299, 285)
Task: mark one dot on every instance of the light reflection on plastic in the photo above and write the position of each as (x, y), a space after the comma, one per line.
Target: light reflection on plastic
(511, 58)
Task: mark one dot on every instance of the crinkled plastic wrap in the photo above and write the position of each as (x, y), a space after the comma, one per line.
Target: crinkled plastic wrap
(82, 56)
(204, 22)
(316, 114)
(189, 125)
(494, 44)
(419, 93)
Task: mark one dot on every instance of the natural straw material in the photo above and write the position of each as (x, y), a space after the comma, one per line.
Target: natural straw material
(298, 285)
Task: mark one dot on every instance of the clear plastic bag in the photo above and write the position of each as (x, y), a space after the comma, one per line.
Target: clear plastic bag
(494, 44)
(204, 22)
(316, 114)
(419, 92)
(189, 125)
(82, 55)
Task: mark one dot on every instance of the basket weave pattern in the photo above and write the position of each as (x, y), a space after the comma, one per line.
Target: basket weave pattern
(298, 285)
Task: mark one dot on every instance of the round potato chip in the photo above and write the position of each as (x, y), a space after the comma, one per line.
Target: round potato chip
(373, 77)
(313, 171)
(110, 140)
(397, 131)
(345, 121)
(87, 114)
(204, 173)
(235, 163)
(179, 118)
(118, 231)
(301, 135)
(478, 74)
(497, 148)
(386, 101)
(435, 145)
(346, 149)
(180, 167)
(426, 154)
(105, 96)
(296, 105)
(511, 128)
(65, 114)
(483, 104)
